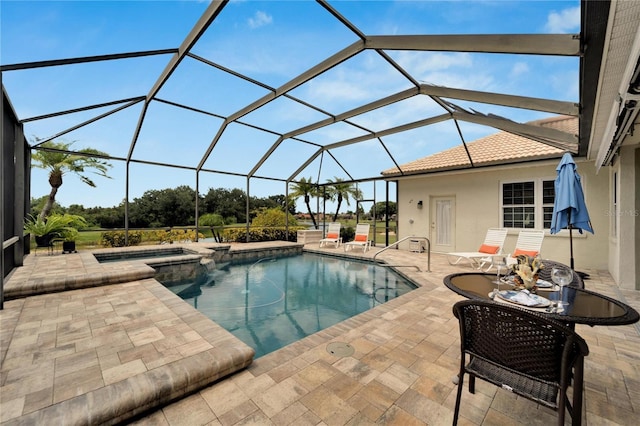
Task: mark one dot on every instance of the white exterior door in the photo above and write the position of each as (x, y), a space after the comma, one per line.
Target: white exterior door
(443, 220)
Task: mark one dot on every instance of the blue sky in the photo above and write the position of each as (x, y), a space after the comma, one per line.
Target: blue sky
(271, 42)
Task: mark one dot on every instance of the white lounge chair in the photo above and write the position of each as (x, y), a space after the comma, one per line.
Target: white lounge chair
(529, 242)
(361, 238)
(333, 235)
(491, 246)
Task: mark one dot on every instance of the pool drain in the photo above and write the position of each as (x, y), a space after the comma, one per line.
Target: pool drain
(340, 349)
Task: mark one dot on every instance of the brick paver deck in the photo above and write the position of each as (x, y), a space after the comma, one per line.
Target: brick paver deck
(102, 345)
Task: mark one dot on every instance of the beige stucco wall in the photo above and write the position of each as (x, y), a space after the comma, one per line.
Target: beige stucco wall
(477, 198)
(623, 244)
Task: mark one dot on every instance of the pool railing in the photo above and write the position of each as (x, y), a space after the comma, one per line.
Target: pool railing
(405, 239)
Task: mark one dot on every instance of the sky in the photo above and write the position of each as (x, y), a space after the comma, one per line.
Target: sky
(270, 42)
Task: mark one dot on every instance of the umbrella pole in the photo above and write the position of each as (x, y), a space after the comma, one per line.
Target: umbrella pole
(582, 275)
(571, 245)
(570, 238)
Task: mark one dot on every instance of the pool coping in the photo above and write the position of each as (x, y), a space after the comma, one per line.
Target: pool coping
(83, 270)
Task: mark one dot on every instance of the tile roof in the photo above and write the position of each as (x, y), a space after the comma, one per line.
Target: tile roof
(498, 148)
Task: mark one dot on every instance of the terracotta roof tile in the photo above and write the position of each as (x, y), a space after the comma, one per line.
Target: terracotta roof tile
(501, 147)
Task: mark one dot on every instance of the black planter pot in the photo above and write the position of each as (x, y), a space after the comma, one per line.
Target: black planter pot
(44, 241)
(69, 247)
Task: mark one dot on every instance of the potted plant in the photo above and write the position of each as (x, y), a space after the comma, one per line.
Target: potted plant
(43, 231)
(69, 237)
(52, 228)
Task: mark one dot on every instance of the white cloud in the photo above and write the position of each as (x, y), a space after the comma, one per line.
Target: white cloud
(518, 69)
(260, 19)
(565, 21)
(459, 70)
(420, 62)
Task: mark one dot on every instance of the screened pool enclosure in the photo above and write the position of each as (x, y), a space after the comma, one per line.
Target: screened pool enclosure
(258, 95)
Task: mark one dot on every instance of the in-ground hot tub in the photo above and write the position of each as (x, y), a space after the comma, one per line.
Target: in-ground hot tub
(141, 254)
(172, 263)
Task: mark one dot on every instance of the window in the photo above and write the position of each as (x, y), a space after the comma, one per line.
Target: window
(528, 204)
(548, 198)
(518, 205)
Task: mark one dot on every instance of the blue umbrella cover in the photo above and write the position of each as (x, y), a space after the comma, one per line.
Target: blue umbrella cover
(569, 208)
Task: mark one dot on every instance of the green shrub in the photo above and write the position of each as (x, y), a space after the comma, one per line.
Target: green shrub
(181, 235)
(155, 236)
(211, 219)
(117, 238)
(239, 235)
(273, 217)
(348, 233)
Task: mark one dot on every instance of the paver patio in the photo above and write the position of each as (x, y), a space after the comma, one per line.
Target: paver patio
(103, 344)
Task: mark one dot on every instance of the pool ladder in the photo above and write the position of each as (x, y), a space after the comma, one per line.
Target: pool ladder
(402, 240)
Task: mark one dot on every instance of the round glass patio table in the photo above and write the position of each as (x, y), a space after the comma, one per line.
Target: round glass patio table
(585, 307)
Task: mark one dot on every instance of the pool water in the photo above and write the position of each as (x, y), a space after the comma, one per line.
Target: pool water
(271, 303)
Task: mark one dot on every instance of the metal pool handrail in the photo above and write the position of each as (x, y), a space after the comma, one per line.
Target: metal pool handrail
(410, 238)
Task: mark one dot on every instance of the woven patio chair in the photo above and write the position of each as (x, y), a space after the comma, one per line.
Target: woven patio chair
(545, 273)
(522, 352)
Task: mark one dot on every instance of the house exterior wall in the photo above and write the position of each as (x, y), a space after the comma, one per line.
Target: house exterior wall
(635, 283)
(477, 207)
(623, 240)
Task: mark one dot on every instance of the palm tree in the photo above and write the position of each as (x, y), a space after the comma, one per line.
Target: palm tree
(56, 157)
(307, 189)
(341, 191)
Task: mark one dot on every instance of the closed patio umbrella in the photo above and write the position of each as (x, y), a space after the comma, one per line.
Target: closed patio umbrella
(569, 208)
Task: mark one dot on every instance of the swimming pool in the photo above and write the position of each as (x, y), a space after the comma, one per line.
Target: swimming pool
(276, 301)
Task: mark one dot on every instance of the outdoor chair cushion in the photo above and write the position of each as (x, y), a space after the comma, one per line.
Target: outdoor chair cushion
(489, 249)
(529, 253)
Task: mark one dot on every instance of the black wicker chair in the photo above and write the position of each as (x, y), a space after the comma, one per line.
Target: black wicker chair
(545, 273)
(523, 352)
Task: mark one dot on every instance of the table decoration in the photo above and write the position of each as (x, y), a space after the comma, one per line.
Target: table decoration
(526, 269)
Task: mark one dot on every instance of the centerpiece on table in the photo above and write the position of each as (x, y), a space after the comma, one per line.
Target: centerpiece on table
(526, 271)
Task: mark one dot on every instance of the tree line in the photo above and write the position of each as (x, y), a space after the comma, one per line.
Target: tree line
(177, 206)
(169, 207)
